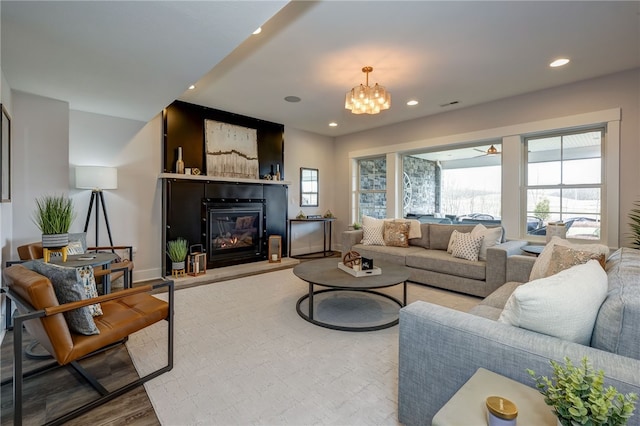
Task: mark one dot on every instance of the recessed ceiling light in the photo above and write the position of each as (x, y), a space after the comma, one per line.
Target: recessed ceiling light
(559, 62)
(333, 124)
(292, 99)
(412, 102)
(258, 31)
(193, 86)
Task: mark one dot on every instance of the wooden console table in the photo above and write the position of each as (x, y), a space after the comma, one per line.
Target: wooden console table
(326, 228)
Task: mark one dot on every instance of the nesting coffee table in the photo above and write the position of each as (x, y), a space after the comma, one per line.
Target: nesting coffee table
(325, 273)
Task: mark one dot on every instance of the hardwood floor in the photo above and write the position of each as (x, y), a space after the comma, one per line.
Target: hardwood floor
(51, 394)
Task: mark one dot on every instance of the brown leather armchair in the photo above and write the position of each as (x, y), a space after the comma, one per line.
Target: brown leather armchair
(38, 310)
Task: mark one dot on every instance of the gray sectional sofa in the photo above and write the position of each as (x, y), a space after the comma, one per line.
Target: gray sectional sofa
(440, 348)
(430, 264)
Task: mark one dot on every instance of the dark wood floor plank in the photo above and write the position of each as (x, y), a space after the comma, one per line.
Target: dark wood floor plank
(51, 394)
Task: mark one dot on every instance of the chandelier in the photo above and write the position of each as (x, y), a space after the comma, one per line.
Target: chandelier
(364, 99)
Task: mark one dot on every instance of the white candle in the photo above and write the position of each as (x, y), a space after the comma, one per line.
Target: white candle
(356, 267)
(274, 257)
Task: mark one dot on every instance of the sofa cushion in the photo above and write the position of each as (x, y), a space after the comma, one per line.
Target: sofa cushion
(491, 306)
(386, 253)
(423, 241)
(542, 262)
(616, 328)
(564, 305)
(442, 262)
(372, 231)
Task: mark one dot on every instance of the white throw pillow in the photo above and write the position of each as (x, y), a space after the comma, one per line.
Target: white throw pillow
(541, 264)
(372, 231)
(467, 246)
(492, 237)
(564, 305)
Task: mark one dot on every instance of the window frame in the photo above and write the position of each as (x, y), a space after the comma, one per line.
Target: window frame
(602, 186)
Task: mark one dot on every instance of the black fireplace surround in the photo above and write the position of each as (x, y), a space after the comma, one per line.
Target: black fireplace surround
(232, 221)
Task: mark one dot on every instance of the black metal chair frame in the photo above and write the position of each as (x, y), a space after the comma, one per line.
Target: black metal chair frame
(105, 395)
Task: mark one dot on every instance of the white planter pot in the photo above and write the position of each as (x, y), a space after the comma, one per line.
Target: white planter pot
(55, 240)
(176, 266)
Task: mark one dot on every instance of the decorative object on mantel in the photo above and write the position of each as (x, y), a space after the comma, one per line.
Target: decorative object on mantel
(195, 171)
(275, 248)
(177, 251)
(232, 151)
(364, 99)
(53, 216)
(578, 396)
(277, 176)
(179, 162)
(196, 261)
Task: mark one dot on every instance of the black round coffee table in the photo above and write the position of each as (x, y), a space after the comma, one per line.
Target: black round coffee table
(325, 273)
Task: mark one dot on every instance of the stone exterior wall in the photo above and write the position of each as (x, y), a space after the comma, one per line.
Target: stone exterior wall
(422, 177)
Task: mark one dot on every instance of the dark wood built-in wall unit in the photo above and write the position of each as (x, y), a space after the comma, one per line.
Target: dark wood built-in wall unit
(232, 218)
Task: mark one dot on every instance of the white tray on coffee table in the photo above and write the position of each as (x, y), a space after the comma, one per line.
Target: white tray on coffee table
(360, 273)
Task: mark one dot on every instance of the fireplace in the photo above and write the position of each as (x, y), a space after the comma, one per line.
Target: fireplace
(235, 231)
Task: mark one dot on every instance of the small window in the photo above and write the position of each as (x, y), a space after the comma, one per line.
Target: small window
(308, 187)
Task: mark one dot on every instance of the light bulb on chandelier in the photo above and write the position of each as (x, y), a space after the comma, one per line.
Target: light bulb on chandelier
(364, 99)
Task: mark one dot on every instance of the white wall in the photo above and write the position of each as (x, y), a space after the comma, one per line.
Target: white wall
(134, 148)
(619, 90)
(304, 149)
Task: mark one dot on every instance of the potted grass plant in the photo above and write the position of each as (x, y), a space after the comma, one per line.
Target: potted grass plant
(177, 251)
(634, 216)
(578, 396)
(53, 216)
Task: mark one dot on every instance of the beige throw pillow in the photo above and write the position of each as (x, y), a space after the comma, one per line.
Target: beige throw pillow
(565, 257)
(492, 237)
(372, 230)
(396, 234)
(467, 246)
(542, 262)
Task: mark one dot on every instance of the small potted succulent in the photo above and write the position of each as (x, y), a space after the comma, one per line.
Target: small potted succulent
(53, 216)
(177, 251)
(578, 396)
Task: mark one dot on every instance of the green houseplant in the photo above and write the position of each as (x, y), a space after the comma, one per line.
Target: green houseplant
(634, 216)
(578, 396)
(177, 251)
(53, 216)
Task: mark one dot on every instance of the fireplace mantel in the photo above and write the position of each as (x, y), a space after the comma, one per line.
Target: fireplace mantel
(221, 179)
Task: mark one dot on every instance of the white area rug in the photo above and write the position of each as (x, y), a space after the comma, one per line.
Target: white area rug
(243, 356)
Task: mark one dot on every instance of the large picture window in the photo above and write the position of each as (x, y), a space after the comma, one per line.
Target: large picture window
(564, 183)
(461, 185)
(372, 187)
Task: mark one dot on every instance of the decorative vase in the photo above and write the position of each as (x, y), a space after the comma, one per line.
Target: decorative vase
(55, 240)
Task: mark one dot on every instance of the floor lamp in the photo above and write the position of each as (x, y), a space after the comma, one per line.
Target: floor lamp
(97, 178)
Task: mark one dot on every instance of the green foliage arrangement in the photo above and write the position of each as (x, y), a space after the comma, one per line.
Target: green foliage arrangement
(356, 225)
(54, 214)
(634, 215)
(578, 396)
(177, 249)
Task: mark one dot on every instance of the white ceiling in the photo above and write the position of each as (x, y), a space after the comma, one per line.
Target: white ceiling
(131, 59)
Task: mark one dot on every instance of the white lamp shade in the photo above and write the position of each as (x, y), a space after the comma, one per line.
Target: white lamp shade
(96, 177)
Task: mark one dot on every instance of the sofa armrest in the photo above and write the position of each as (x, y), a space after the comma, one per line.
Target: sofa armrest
(497, 256)
(350, 238)
(519, 268)
(440, 349)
